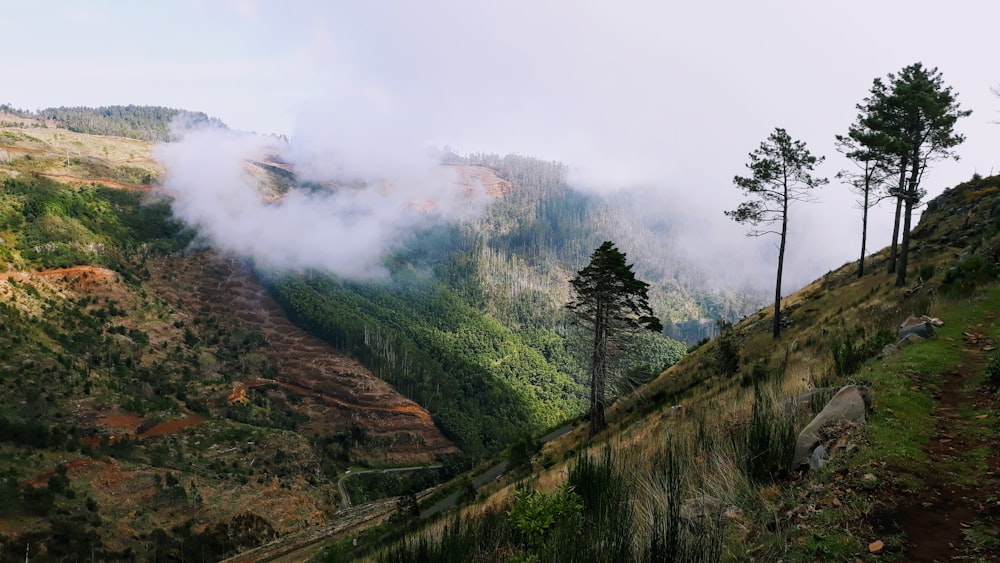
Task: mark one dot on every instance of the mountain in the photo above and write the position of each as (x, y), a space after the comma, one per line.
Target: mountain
(157, 393)
(698, 464)
(145, 123)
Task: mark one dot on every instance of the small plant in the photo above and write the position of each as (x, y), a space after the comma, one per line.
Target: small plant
(851, 349)
(760, 373)
(727, 350)
(537, 515)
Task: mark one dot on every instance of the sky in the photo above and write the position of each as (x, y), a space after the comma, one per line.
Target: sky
(666, 97)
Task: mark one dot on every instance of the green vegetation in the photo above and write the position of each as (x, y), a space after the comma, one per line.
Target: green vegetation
(754, 506)
(781, 174)
(851, 350)
(611, 305)
(49, 225)
(600, 514)
(482, 383)
(147, 123)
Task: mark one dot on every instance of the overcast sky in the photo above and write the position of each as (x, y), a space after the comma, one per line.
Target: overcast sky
(669, 95)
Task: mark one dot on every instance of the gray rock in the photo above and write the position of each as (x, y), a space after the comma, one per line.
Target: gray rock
(922, 327)
(849, 405)
(818, 458)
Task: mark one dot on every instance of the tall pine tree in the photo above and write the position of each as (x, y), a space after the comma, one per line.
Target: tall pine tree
(611, 302)
(781, 173)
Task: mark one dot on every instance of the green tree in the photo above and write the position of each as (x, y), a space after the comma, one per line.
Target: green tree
(609, 300)
(782, 173)
(913, 115)
(873, 165)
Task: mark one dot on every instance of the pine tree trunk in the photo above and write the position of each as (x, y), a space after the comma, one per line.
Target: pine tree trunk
(895, 225)
(904, 247)
(598, 372)
(781, 263)
(864, 230)
(911, 198)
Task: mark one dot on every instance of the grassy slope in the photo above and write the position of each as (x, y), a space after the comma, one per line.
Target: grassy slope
(926, 398)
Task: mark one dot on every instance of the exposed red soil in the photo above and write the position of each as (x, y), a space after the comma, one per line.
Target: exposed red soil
(42, 478)
(474, 178)
(126, 420)
(66, 178)
(172, 426)
(935, 522)
(120, 420)
(10, 148)
(333, 390)
(86, 277)
(83, 277)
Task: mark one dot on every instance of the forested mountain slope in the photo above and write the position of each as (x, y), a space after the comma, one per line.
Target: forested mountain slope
(157, 394)
(146, 123)
(472, 324)
(698, 465)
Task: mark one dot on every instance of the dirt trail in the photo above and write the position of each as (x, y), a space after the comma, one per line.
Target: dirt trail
(936, 521)
(103, 181)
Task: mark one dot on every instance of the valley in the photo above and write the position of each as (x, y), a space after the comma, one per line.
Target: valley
(164, 400)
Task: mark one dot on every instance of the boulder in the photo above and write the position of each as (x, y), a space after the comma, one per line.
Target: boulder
(922, 327)
(890, 349)
(849, 405)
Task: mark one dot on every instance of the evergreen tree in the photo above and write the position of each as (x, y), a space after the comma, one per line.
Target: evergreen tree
(612, 302)
(913, 117)
(782, 172)
(874, 164)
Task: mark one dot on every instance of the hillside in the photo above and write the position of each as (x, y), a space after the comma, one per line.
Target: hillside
(152, 394)
(157, 393)
(145, 123)
(697, 465)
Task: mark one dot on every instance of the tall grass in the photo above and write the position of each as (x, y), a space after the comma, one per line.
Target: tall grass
(624, 516)
(852, 349)
(764, 445)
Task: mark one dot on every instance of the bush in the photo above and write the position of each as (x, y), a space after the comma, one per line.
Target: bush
(851, 349)
(968, 274)
(727, 350)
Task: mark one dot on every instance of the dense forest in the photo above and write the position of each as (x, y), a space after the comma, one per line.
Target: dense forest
(147, 123)
(473, 323)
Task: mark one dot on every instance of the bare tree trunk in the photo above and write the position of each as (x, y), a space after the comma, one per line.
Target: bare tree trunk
(781, 263)
(904, 247)
(911, 198)
(598, 372)
(895, 225)
(864, 229)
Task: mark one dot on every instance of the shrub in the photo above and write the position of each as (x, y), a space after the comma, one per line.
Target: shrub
(968, 274)
(727, 350)
(851, 349)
